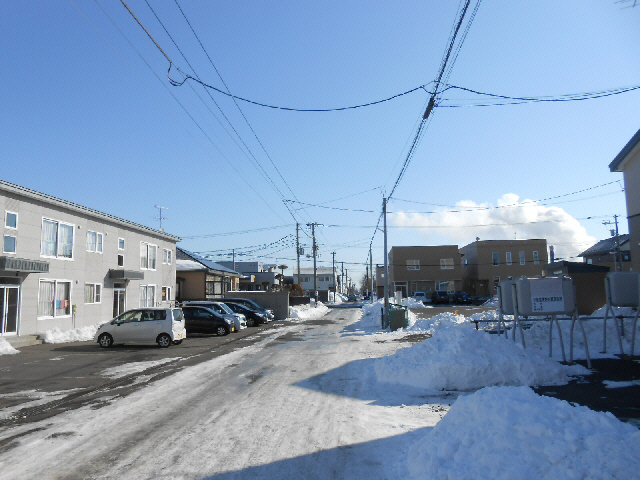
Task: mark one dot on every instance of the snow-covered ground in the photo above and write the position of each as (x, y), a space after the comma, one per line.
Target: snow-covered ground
(349, 402)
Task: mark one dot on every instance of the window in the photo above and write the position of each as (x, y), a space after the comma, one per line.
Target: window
(495, 258)
(465, 263)
(11, 220)
(94, 242)
(147, 295)
(413, 264)
(121, 244)
(120, 260)
(9, 244)
(509, 262)
(166, 294)
(167, 255)
(496, 281)
(446, 264)
(54, 298)
(536, 258)
(92, 292)
(57, 239)
(148, 253)
(522, 261)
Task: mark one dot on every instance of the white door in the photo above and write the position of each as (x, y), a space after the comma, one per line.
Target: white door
(9, 296)
(118, 301)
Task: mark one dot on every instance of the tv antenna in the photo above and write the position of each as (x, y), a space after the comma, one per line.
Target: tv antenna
(161, 217)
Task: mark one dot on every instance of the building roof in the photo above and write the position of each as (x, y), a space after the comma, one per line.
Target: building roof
(576, 267)
(624, 153)
(58, 202)
(309, 271)
(190, 263)
(604, 246)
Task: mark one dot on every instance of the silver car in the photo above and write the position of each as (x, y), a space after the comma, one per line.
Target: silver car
(164, 326)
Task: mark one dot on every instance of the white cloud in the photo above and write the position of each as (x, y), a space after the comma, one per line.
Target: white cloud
(510, 218)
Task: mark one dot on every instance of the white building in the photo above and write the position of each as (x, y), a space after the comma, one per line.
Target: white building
(326, 279)
(67, 266)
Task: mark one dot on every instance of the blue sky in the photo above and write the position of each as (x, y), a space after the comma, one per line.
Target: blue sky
(89, 116)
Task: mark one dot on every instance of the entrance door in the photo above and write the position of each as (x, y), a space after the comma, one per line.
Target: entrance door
(118, 301)
(9, 310)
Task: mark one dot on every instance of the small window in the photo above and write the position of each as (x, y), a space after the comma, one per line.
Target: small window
(148, 255)
(94, 242)
(446, 264)
(120, 260)
(495, 258)
(536, 258)
(11, 220)
(509, 261)
(10, 244)
(522, 260)
(166, 294)
(92, 292)
(121, 244)
(413, 264)
(167, 256)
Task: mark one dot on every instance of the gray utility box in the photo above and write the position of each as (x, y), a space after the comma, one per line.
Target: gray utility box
(546, 296)
(505, 296)
(622, 289)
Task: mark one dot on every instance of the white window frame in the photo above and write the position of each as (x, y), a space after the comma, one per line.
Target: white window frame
(96, 294)
(167, 256)
(15, 244)
(57, 254)
(147, 289)
(6, 219)
(446, 264)
(165, 295)
(509, 259)
(55, 292)
(413, 264)
(121, 240)
(120, 257)
(536, 257)
(146, 265)
(98, 247)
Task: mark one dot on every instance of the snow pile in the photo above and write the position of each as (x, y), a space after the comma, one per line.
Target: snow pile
(441, 321)
(413, 303)
(468, 359)
(306, 312)
(511, 432)
(6, 348)
(82, 334)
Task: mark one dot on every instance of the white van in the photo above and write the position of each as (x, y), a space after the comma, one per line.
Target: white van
(164, 326)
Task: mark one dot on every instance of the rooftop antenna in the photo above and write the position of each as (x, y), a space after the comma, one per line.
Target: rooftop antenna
(161, 217)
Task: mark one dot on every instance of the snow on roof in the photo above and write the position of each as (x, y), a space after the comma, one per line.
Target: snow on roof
(203, 262)
(605, 246)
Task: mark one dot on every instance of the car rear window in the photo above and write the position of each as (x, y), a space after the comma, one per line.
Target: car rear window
(177, 315)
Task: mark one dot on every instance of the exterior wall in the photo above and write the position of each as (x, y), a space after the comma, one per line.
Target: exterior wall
(305, 279)
(481, 275)
(192, 285)
(632, 194)
(84, 266)
(424, 272)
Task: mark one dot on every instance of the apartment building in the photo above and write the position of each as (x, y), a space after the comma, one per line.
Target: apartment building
(424, 269)
(486, 262)
(67, 266)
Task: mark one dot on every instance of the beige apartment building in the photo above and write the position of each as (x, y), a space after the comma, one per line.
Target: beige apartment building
(424, 269)
(487, 262)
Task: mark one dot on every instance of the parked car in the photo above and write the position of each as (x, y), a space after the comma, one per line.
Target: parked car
(252, 304)
(239, 320)
(254, 318)
(421, 297)
(440, 296)
(462, 298)
(351, 298)
(164, 326)
(199, 319)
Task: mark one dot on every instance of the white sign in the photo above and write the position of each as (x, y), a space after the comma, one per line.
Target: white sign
(547, 295)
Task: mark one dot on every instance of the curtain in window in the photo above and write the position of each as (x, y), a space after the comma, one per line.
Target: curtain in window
(49, 237)
(144, 261)
(143, 295)
(63, 298)
(151, 296)
(45, 299)
(91, 241)
(66, 241)
(88, 293)
(152, 256)
(99, 243)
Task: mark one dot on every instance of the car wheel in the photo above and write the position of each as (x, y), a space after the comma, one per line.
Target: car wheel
(105, 340)
(177, 342)
(251, 322)
(222, 331)
(164, 340)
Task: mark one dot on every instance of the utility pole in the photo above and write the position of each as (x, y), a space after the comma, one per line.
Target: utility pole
(342, 278)
(233, 252)
(371, 269)
(298, 250)
(617, 256)
(385, 314)
(315, 248)
(333, 275)
(160, 217)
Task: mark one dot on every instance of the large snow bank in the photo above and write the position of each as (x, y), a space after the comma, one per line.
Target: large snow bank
(511, 432)
(466, 359)
(82, 334)
(309, 313)
(6, 348)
